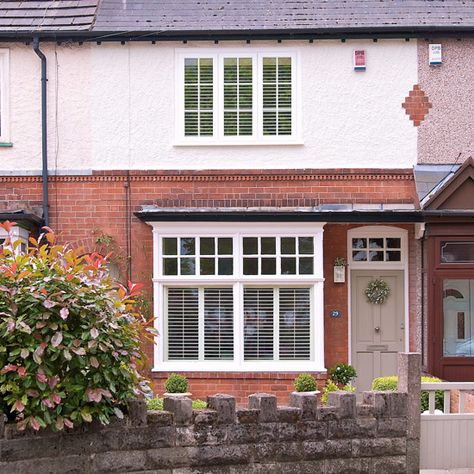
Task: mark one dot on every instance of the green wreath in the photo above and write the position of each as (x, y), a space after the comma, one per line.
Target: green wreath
(377, 291)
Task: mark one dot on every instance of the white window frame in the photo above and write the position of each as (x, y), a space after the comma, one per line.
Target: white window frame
(238, 281)
(218, 95)
(4, 95)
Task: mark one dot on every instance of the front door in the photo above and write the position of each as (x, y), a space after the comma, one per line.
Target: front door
(377, 330)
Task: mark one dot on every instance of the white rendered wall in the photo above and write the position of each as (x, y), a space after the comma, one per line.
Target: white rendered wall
(112, 107)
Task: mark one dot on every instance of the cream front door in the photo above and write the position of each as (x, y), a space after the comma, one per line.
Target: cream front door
(377, 330)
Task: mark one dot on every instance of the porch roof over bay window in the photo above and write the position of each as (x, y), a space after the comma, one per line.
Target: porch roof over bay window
(342, 213)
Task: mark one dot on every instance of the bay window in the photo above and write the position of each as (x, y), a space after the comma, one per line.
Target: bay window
(238, 297)
(236, 97)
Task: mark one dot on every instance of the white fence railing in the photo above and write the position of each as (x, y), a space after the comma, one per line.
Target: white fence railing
(446, 438)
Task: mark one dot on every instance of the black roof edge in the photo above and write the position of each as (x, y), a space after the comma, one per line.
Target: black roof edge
(388, 32)
(252, 216)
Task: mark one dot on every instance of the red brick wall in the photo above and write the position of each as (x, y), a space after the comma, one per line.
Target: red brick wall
(83, 207)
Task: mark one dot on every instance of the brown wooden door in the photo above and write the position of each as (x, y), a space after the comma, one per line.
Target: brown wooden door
(377, 331)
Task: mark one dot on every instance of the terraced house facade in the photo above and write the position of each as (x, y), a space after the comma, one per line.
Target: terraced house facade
(231, 154)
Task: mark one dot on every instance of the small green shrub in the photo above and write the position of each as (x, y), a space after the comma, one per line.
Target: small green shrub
(342, 373)
(332, 387)
(391, 383)
(199, 404)
(305, 383)
(157, 404)
(176, 383)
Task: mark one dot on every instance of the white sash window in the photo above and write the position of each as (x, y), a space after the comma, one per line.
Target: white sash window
(236, 97)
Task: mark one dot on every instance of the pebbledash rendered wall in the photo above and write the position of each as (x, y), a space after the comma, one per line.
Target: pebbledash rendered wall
(379, 435)
(113, 106)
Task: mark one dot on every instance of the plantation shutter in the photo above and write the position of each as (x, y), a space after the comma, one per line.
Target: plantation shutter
(294, 323)
(198, 97)
(238, 96)
(258, 323)
(183, 323)
(218, 323)
(277, 96)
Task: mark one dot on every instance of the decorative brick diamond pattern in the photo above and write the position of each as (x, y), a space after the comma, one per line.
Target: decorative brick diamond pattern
(417, 105)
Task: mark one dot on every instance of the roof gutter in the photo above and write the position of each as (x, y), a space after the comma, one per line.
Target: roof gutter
(388, 32)
(281, 216)
(44, 128)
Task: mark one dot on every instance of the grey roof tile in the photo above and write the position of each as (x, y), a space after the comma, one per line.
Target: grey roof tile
(199, 15)
(47, 15)
(173, 16)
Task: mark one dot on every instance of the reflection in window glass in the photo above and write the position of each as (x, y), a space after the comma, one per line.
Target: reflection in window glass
(458, 314)
(457, 252)
(376, 249)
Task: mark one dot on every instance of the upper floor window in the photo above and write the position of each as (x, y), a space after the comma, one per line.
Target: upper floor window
(232, 98)
(4, 95)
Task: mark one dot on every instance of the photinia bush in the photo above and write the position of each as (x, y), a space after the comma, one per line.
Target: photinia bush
(70, 337)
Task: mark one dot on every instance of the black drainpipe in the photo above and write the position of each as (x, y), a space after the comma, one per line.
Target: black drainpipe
(44, 130)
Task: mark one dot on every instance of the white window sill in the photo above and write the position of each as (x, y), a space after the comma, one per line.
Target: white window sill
(217, 143)
(226, 366)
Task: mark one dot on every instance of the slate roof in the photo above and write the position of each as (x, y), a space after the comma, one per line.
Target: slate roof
(430, 178)
(47, 15)
(208, 15)
(172, 17)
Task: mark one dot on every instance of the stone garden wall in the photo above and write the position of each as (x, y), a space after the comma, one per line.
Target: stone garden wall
(374, 436)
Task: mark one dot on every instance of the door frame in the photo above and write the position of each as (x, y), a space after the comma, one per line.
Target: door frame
(378, 231)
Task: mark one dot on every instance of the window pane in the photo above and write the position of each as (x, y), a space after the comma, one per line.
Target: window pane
(284, 123)
(458, 313)
(207, 246)
(187, 246)
(258, 323)
(288, 245)
(183, 323)
(198, 97)
(393, 256)
(191, 71)
(359, 243)
(376, 243)
(226, 266)
(188, 266)
(225, 246)
(208, 266)
(191, 96)
(288, 266)
(269, 69)
(277, 96)
(170, 266)
(457, 252)
(393, 243)
(306, 245)
(294, 316)
(170, 246)
(218, 324)
(250, 266)
(250, 245)
(268, 266)
(306, 266)
(238, 97)
(268, 245)
(375, 256)
(359, 256)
